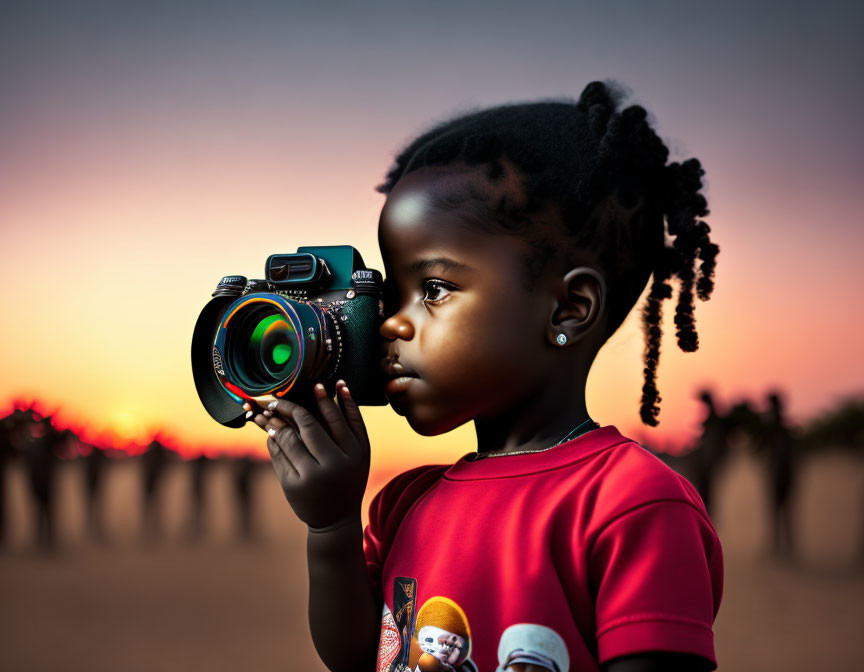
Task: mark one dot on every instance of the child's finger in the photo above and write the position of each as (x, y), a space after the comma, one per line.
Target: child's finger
(284, 469)
(311, 433)
(332, 415)
(265, 422)
(352, 414)
(252, 409)
(290, 442)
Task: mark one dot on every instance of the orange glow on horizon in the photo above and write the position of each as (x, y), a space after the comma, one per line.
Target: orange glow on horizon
(101, 309)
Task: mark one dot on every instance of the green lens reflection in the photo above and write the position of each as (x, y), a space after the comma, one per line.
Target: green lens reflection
(282, 353)
(261, 329)
(272, 346)
(263, 348)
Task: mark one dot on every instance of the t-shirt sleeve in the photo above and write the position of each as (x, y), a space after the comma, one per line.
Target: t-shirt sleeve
(657, 570)
(387, 510)
(372, 544)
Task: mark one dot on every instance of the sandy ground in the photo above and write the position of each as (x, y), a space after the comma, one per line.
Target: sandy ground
(220, 605)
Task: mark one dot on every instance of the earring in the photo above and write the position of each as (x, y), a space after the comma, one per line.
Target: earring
(561, 339)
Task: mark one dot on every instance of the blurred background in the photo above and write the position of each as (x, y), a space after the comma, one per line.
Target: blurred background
(148, 149)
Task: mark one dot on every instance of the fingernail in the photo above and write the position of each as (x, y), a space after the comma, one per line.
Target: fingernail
(319, 387)
(272, 405)
(340, 382)
(271, 431)
(249, 415)
(345, 390)
(246, 406)
(267, 414)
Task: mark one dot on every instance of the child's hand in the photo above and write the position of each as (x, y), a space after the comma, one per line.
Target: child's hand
(322, 462)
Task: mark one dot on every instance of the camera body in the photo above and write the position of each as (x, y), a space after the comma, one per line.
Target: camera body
(314, 318)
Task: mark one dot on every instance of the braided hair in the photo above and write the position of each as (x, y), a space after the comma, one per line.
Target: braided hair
(603, 171)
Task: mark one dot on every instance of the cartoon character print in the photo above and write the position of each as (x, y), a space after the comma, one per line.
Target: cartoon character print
(437, 638)
(528, 647)
(443, 639)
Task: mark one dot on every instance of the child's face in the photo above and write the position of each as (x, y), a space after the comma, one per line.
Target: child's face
(472, 335)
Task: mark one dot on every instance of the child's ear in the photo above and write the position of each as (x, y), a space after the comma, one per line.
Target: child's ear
(579, 305)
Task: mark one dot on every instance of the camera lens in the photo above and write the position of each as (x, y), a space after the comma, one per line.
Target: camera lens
(271, 347)
(262, 347)
(261, 343)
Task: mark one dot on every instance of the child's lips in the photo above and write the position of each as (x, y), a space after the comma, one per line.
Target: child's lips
(398, 385)
(400, 378)
(393, 369)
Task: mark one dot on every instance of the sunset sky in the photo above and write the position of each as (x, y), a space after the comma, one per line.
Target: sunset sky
(146, 150)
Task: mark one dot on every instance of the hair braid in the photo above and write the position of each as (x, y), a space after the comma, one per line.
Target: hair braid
(652, 314)
(683, 204)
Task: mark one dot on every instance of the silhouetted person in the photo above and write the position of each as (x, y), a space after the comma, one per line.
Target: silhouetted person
(781, 445)
(94, 468)
(244, 472)
(712, 450)
(153, 467)
(198, 469)
(43, 448)
(7, 452)
(8, 429)
(12, 427)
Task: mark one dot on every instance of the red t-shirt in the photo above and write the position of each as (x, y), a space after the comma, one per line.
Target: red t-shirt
(564, 558)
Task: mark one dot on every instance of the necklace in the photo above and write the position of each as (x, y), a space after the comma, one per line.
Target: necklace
(572, 434)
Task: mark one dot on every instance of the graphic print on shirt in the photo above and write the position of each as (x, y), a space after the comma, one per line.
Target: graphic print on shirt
(389, 645)
(443, 640)
(404, 613)
(397, 627)
(435, 638)
(532, 644)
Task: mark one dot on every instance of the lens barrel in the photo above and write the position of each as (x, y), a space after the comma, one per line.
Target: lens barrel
(266, 344)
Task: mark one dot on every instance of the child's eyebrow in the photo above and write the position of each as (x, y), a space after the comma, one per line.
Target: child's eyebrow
(445, 263)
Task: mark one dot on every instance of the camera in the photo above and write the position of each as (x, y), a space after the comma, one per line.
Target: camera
(314, 318)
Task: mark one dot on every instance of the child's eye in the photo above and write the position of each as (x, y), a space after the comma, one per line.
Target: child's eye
(434, 286)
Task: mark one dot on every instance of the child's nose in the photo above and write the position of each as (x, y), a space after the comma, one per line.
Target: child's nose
(397, 327)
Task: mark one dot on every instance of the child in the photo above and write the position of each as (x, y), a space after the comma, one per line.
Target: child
(515, 241)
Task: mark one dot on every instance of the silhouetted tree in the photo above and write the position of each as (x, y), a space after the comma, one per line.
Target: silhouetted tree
(841, 428)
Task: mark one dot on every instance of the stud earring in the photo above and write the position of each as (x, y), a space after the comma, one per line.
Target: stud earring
(561, 339)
